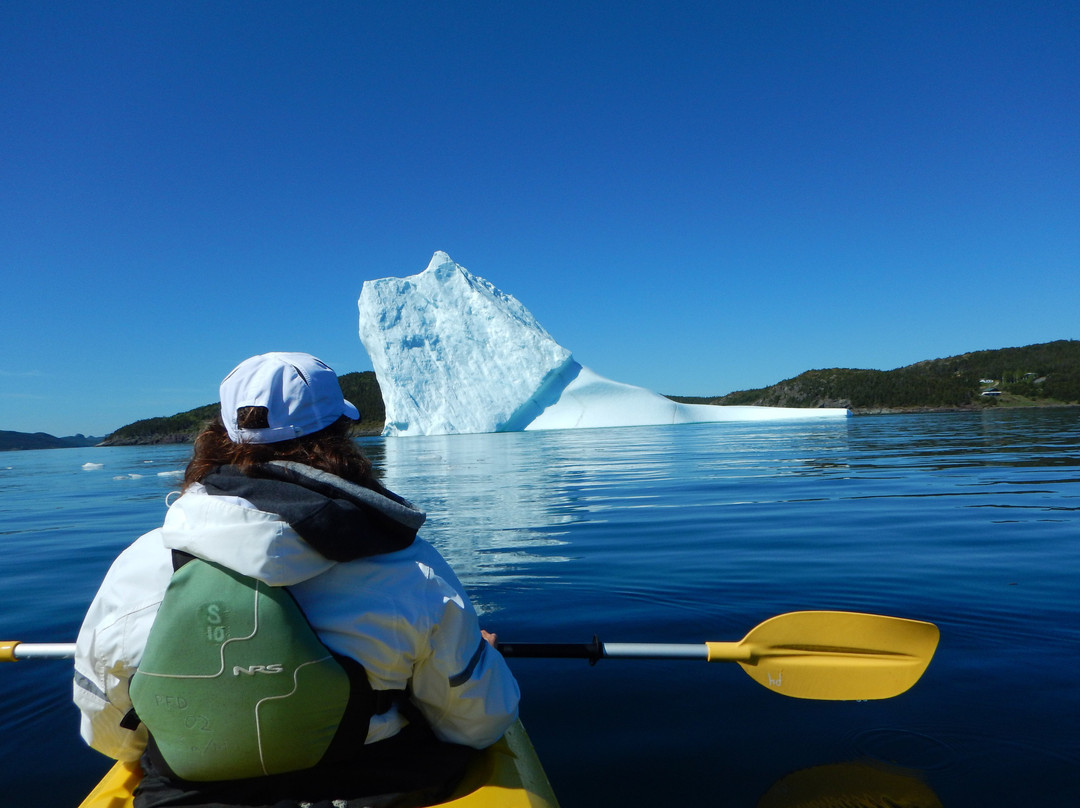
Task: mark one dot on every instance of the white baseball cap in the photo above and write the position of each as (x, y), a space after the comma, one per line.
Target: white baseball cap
(300, 393)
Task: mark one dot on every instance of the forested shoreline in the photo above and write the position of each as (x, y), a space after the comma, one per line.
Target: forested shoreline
(1042, 375)
(1046, 374)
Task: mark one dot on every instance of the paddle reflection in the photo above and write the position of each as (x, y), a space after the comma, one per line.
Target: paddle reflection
(850, 785)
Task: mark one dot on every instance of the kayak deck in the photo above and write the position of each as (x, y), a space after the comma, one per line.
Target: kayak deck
(116, 789)
(506, 775)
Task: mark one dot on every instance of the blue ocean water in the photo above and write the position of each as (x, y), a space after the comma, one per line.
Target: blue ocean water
(676, 534)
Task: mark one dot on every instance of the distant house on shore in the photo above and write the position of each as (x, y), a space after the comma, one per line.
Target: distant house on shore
(991, 392)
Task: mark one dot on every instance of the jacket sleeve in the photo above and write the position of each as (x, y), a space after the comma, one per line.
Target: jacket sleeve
(463, 686)
(110, 645)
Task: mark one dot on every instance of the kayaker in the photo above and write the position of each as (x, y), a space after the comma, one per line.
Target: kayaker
(279, 499)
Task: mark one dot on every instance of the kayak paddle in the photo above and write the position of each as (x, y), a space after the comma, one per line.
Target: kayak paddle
(832, 656)
(13, 650)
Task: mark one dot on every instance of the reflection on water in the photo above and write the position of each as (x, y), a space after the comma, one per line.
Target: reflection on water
(850, 785)
(500, 505)
(489, 511)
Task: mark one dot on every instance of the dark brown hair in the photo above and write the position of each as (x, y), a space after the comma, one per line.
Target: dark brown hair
(331, 449)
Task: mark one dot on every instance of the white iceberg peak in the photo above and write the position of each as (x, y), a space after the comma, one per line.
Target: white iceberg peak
(454, 354)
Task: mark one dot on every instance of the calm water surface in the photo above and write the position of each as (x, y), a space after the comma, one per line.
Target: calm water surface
(679, 534)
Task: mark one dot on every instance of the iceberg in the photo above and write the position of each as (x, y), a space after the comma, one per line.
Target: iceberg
(454, 355)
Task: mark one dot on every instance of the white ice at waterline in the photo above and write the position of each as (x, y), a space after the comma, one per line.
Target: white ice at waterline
(453, 354)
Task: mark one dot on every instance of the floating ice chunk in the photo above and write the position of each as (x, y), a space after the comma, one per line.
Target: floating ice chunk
(92, 466)
(453, 354)
(590, 400)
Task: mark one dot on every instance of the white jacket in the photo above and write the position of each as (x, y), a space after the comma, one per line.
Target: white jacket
(403, 615)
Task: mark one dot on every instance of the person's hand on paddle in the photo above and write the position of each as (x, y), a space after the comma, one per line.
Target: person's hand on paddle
(487, 635)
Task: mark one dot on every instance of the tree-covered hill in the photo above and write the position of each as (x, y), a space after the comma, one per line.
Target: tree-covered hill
(362, 389)
(1047, 373)
(12, 441)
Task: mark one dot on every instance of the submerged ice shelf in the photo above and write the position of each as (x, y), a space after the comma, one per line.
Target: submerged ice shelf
(454, 354)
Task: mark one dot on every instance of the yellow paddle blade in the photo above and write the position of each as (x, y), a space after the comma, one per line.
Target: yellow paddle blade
(835, 656)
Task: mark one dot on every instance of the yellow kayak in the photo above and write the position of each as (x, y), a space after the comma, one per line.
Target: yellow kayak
(506, 775)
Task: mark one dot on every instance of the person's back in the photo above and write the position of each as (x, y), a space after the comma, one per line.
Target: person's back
(279, 499)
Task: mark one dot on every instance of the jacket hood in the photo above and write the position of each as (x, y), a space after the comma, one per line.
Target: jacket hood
(285, 522)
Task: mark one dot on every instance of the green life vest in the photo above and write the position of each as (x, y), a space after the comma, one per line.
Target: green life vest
(234, 683)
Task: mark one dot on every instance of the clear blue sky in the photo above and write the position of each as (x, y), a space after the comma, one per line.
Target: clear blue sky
(695, 197)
